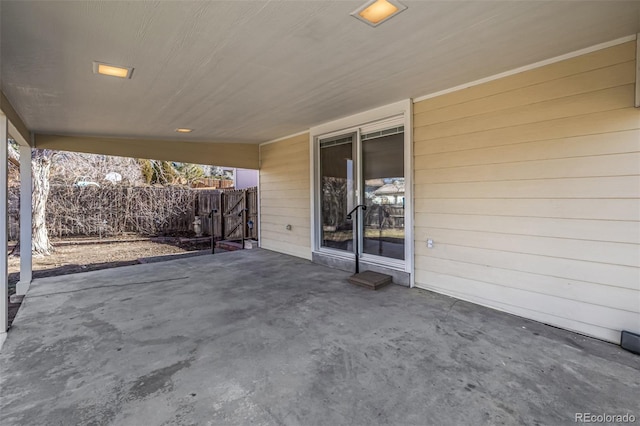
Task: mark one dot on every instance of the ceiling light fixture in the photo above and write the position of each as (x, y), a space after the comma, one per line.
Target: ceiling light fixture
(184, 130)
(375, 12)
(112, 70)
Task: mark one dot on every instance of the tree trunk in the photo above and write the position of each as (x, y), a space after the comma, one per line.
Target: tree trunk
(41, 167)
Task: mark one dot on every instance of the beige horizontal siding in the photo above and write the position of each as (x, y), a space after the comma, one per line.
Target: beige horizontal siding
(596, 165)
(599, 273)
(587, 187)
(530, 188)
(275, 174)
(296, 198)
(270, 219)
(619, 231)
(541, 307)
(266, 155)
(589, 145)
(285, 196)
(600, 123)
(584, 291)
(571, 106)
(577, 84)
(576, 208)
(288, 185)
(580, 64)
(568, 248)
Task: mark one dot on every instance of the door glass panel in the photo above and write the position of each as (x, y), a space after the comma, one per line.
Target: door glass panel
(383, 177)
(337, 192)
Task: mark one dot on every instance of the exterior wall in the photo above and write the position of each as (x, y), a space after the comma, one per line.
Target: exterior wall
(285, 196)
(529, 187)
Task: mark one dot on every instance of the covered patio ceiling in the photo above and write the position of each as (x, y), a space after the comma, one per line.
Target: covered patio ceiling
(251, 71)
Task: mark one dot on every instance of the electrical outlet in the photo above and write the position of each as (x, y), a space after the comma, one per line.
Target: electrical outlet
(429, 243)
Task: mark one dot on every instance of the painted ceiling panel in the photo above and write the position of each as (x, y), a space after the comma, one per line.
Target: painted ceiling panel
(251, 71)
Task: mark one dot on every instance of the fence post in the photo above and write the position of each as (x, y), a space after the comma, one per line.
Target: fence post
(245, 218)
(222, 212)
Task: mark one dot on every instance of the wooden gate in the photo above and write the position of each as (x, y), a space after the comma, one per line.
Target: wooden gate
(233, 209)
(207, 201)
(234, 203)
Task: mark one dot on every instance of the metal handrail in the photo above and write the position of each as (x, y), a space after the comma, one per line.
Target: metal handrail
(356, 208)
(355, 233)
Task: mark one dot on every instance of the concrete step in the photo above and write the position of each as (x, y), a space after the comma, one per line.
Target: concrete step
(369, 279)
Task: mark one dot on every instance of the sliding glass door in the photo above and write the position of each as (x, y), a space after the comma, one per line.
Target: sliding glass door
(365, 167)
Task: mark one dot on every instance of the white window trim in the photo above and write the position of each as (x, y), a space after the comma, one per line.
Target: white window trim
(369, 120)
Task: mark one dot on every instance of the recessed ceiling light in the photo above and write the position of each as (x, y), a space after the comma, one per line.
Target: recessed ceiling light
(375, 12)
(112, 70)
(184, 130)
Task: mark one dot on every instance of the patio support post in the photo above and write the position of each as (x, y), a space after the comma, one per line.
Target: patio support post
(4, 293)
(26, 189)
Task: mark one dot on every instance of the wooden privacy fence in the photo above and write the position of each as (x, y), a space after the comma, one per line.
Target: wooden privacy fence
(148, 211)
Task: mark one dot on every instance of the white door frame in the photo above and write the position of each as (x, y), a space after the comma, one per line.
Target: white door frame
(352, 124)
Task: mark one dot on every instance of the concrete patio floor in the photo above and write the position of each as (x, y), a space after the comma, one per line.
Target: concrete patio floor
(255, 337)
